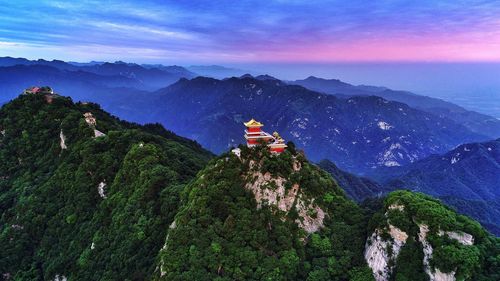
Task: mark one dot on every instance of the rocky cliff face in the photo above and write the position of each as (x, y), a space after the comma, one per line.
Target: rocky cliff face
(418, 224)
(382, 252)
(271, 190)
(435, 274)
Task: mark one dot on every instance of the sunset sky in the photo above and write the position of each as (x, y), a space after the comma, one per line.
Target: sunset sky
(252, 31)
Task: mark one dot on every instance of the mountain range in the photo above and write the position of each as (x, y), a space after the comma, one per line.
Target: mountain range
(476, 122)
(359, 133)
(372, 131)
(465, 178)
(86, 196)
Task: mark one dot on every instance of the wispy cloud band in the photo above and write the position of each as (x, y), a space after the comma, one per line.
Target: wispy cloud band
(252, 31)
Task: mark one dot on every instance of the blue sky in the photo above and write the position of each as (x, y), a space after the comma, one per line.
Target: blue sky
(186, 32)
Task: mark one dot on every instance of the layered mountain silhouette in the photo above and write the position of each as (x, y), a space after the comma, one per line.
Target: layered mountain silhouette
(474, 121)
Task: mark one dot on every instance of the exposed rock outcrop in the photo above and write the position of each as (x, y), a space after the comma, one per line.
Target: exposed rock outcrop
(272, 192)
(60, 278)
(92, 122)
(62, 142)
(378, 255)
(101, 189)
(461, 237)
(436, 274)
(310, 216)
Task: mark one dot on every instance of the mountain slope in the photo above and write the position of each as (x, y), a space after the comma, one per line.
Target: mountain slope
(466, 178)
(476, 122)
(357, 188)
(83, 195)
(264, 217)
(358, 134)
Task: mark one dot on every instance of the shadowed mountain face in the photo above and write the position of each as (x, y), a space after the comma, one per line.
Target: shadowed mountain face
(357, 188)
(476, 122)
(466, 178)
(358, 133)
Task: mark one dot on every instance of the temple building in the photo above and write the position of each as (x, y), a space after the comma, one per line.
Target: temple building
(254, 136)
(278, 145)
(46, 91)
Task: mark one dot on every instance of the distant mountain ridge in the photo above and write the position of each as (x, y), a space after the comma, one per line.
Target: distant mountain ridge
(465, 178)
(358, 134)
(150, 77)
(145, 77)
(216, 71)
(476, 122)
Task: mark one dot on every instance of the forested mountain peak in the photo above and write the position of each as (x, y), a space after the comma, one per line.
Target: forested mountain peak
(71, 200)
(261, 216)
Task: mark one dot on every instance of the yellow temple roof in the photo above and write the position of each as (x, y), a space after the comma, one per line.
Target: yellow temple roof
(253, 123)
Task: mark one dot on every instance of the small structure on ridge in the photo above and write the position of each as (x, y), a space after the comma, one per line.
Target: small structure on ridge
(45, 91)
(254, 136)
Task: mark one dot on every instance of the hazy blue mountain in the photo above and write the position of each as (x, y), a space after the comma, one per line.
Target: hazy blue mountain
(259, 77)
(144, 77)
(467, 178)
(151, 77)
(216, 71)
(359, 133)
(120, 95)
(86, 63)
(476, 122)
(9, 61)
